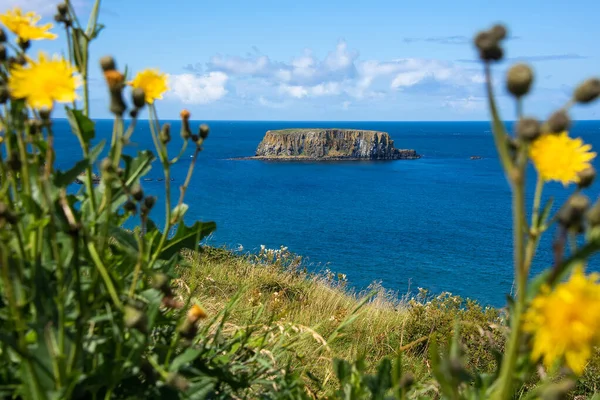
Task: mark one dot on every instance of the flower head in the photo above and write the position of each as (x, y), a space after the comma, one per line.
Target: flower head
(560, 158)
(43, 82)
(152, 82)
(565, 322)
(24, 25)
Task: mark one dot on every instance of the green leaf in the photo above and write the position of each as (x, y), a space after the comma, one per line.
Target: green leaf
(342, 369)
(138, 166)
(186, 238)
(99, 28)
(545, 211)
(96, 150)
(81, 125)
(62, 179)
(125, 239)
(184, 358)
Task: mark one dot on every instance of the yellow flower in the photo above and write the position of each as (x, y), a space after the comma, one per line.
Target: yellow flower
(565, 322)
(152, 82)
(24, 25)
(560, 158)
(44, 81)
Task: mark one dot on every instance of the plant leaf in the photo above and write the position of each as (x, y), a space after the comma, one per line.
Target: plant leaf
(186, 357)
(81, 125)
(186, 238)
(96, 150)
(66, 178)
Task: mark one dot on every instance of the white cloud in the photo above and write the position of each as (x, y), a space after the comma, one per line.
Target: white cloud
(342, 74)
(194, 89)
(470, 103)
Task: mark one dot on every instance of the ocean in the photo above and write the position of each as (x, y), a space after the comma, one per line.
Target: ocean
(442, 222)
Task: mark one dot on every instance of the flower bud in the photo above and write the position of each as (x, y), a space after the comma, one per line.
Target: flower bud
(204, 130)
(35, 126)
(586, 177)
(187, 329)
(487, 44)
(2, 53)
(149, 202)
(130, 206)
(108, 64)
(186, 132)
(528, 129)
(14, 162)
(4, 94)
(165, 134)
(588, 91)
(178, 382)
(593, 214)
(195, 313)
(136, 319)
(24, 44)
(498, 32)
(137, 193)
(559, 122)
(139, 97)
(519, 79)
(571, 214)
(19, 60)
(62, 9)
(160, 282)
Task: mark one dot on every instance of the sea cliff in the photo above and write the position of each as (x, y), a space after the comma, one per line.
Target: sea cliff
(330, 144)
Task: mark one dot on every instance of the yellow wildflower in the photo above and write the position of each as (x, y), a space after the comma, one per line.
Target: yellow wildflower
(565, 322)
(195, 313)
(44, 81)
(24, 25)
(560, 158)
(152, 82)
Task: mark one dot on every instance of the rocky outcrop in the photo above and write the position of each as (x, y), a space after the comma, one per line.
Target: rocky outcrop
(330, 144)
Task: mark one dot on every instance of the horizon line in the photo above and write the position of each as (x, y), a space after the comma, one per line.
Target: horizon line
(310, 121)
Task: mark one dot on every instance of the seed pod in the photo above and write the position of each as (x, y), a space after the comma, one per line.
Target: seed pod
(108, 63)
(559, 122)
(528, 129)
(588, 91)
(519, 79)
(139, 97)
(149, 202)
(586, 177)
(204, 130)
(571, 214)
(136, 319)
(137, 193)
(165, 134)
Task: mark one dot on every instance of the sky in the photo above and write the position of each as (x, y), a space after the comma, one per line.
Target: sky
(378, 60)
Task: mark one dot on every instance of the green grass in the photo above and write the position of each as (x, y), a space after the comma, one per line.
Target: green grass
(316, 304)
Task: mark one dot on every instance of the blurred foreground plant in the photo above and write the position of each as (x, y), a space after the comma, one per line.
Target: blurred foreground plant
(86, 307)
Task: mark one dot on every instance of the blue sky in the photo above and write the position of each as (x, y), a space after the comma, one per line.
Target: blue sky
(342, 60)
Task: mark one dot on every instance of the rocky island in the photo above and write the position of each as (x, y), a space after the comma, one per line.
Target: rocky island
(330, 144)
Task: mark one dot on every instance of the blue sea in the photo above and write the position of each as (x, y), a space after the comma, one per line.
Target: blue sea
(442, 222)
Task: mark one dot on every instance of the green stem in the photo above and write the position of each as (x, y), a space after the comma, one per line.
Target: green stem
(500, 135)
(105, 275)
